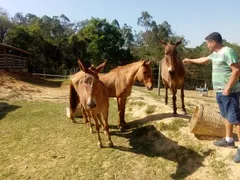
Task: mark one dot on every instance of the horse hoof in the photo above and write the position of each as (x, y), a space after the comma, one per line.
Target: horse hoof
(100, 145)
(73, 121)
(122, 129)
(91, 131)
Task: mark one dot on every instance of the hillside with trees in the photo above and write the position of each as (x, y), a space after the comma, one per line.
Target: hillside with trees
(56, 42)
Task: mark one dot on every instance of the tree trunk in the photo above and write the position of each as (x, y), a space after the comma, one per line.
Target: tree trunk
(207, 121)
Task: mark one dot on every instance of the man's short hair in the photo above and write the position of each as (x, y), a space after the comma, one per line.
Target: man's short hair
(215, 36)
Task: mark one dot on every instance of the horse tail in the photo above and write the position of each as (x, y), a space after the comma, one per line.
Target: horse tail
(73, 100)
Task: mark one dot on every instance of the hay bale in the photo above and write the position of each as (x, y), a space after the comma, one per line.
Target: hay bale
(78, 112)
(207, 121)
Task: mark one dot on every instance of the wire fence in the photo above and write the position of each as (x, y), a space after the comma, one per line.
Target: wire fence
(190, 82)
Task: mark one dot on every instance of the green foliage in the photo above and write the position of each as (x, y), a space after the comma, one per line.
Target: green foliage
(5, 23)
(105, 41)
(56, 42)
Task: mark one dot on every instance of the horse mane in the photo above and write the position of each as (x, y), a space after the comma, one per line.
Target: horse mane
(127, 66)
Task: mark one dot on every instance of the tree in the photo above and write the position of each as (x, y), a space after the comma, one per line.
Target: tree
(105, 41)
(145, 20)
(5, 24)
(127, 35)
(19, 19)
(115, 23)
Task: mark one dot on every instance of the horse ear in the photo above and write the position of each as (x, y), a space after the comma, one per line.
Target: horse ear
(163, 43)
(179, 42)
(147, 62)
(101, 66)
(92, 67)
(81, 65)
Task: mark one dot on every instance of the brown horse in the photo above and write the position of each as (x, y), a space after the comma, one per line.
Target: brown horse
(120, 80)
(93, 97)
(173, 73)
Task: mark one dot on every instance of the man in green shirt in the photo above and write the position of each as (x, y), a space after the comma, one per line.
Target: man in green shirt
(225, 76)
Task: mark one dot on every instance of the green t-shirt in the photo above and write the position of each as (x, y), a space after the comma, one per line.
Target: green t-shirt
(221, 71)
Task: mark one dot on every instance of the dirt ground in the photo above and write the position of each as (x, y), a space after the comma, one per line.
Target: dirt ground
(14, 86)
(19, 85)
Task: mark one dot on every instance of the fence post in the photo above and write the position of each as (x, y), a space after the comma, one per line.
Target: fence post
(44, 72)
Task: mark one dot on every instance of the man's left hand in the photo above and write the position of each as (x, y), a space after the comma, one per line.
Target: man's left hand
(226, 92)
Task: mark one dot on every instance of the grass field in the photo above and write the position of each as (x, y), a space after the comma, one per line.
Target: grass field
(38, 141)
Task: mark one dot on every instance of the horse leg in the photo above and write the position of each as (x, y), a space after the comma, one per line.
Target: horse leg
(174, 92)
(73, 101)
(121, 112)
(182, 97)
(100, 120)
(97, 130)
(106, 127)
(166, 95)
(89, 116)
(85, 116)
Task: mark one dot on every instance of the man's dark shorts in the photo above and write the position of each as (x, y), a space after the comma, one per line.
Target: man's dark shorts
(229, 106)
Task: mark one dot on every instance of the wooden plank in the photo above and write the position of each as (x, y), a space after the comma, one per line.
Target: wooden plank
(15, 56)
(14, 48)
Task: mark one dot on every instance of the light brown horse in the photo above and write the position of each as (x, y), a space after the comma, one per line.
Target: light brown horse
(173, 73)
(93, 97)
(118, 82)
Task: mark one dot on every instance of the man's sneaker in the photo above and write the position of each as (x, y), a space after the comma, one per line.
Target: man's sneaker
(236, 158)
(223, 143)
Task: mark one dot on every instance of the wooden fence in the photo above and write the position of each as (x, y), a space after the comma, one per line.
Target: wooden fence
(8, 61)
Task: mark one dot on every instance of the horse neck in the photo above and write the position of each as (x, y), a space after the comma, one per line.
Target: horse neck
(131, 72)
(180, 67)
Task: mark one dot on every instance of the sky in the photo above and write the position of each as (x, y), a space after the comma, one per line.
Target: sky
(189, 18)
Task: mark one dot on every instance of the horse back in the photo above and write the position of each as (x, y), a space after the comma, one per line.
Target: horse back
(74, 80)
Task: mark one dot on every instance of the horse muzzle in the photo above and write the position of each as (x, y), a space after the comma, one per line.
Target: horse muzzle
(149, 86)
(91, 104)
(171, 73)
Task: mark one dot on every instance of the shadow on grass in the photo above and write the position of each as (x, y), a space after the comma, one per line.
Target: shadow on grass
(156, 117)
(5, 108)
(150, 142)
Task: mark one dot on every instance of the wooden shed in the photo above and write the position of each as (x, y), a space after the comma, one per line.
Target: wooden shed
(13, 58)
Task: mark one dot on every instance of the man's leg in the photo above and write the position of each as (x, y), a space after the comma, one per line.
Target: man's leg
(223, 103)
(229, 131)
(227, 141)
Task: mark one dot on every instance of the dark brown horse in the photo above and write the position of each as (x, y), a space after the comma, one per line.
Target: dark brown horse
(93, 97)
(173, 73)
(118, 82)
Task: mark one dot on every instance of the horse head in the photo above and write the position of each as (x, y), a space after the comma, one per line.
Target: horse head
(144, 74)
(171, 55)
(89, 82)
